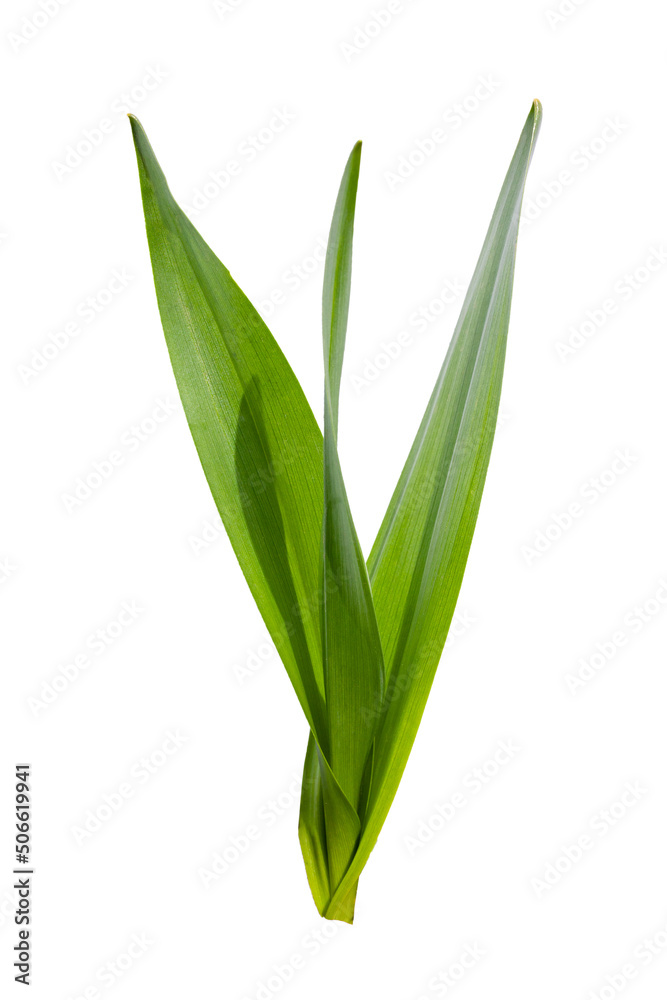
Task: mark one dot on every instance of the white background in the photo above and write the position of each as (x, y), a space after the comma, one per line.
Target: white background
(526, 620)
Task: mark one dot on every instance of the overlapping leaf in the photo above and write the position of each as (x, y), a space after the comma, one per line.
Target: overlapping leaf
(262, 454)
(352, 650)
(363, 668)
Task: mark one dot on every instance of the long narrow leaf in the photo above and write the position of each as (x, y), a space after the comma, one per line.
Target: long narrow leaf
(353, 667)
(419, 556)
(352, 650)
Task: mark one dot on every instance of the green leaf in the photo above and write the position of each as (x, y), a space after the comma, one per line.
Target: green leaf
(329, 831)
(417, 563)
(258, 442)
(360, 646)
(352, 651)
(312, 829)
(353, 667)
(262, 454)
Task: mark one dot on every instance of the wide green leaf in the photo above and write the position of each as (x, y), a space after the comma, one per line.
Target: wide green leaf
(257, 439)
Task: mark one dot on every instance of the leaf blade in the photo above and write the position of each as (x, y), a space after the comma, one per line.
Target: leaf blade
(257, 439)
(427, 530)
(353, 666)
(262, 453)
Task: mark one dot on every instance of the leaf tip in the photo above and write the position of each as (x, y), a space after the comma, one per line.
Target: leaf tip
(536, 112)
(149, 168)
(138, 135)
(135, 125)
(354, 159)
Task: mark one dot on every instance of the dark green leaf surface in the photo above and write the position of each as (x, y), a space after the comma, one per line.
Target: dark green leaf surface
(353, 668)
(352, 651)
